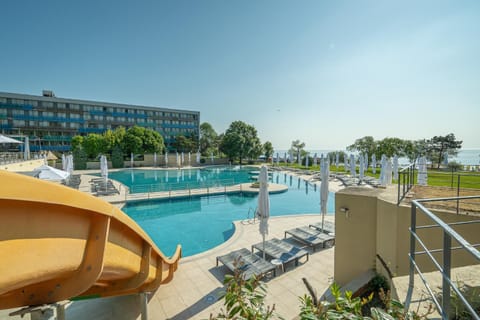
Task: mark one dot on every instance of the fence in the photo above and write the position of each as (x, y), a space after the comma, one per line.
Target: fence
(443, 306)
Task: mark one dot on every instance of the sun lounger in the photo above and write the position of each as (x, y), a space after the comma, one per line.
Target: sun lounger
(247, 263)
(282, 251)
(310, 237)
(328, 227)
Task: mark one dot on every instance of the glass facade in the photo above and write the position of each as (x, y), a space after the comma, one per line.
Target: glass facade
(51, 122)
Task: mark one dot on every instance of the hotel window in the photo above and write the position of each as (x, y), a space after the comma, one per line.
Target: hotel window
(74, 116)
(18, 112)
(87, 108)
(73, 106)
(61, 105)
(3, 100)
(47, 114)
(109, 118)
(61, 115)
(47, 104)
(33, 103)
(18, 123)
(31, 123)
(18, 101)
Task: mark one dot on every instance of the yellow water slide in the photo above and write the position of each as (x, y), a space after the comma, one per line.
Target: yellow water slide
(58, 244)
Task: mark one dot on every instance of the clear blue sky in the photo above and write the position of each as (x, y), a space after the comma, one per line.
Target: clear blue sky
(324, 72)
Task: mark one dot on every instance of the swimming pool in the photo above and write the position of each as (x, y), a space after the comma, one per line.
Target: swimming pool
(203, 222)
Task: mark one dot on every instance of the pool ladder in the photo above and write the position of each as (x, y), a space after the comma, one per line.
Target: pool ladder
(250, 220)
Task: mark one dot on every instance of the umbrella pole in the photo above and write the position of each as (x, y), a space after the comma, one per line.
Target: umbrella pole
(263, 247)
(323, 220)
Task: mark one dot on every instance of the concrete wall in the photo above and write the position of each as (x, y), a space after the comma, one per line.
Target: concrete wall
(376, 230)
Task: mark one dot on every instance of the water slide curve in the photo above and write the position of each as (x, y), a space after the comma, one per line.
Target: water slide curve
(59, 244)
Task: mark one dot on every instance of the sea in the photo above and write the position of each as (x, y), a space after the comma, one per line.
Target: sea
(469, 157)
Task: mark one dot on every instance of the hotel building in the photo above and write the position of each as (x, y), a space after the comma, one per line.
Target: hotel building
(51, 122)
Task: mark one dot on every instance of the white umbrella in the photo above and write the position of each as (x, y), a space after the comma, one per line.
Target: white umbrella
(64, 162)
(324, 173)
(104, 167)
(5, 139)
(51, 174)
(395, 167)
(183, 159)
(189, 158)
(69, 168)
(361, 167)
(365, 163)
(299, 159)
(353, 168)
(166, 158)
(285, 158)
(263, 210)
(337, 158)
(374, 163)
(26, 150)
(131, 160)
(211, 157)
(445, 158)
(178, 160)
(422, 172)
(383, 171)
(198, 156)
(388, 171)
(315, 159)
(155, 159)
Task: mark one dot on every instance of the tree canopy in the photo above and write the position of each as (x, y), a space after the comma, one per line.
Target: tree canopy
(267, 149)
(297, 149)
(440, 146)
(209, 139)
(241, 141)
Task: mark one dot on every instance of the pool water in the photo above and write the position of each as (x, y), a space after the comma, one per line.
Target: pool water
(203, 222)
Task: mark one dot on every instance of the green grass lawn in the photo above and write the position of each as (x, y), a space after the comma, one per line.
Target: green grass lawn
(468, 180)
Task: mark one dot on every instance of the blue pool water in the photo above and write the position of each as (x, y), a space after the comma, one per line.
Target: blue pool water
(201, 223)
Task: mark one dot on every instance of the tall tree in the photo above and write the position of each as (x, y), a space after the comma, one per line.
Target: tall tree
(390, 147)
(184, 144)
(208, 139)
(365, 145)
(439, 145)
(297, 149)
(139, 140)
(268, 149)
(241, 141)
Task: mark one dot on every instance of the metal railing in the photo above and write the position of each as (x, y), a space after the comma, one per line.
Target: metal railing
(180, 189)
(443, 306)
(405, 181)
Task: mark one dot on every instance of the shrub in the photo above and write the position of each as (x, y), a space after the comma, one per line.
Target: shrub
(80, 159)
(117, 157)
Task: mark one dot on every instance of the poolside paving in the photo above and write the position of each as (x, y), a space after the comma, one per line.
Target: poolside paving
(196, 289)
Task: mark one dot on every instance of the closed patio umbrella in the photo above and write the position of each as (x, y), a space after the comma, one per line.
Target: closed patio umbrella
(166, 158)
(374, 163)
(189, 158)
(315, 159)
(361, 168)
(178, 160)
(365, 163)
(104, 167)
(183, 159)
(198, 157)
(353, 168)
(395, 167)
(64, 162)
(383, 171)
(131, 160)
(211, 157)
(422, 172)
(324, 173)
(263, 210)
(26, 149)
(155, 159)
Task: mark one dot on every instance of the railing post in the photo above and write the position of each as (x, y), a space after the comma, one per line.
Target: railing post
(447, 244)
(458, 194)
(411, 280)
